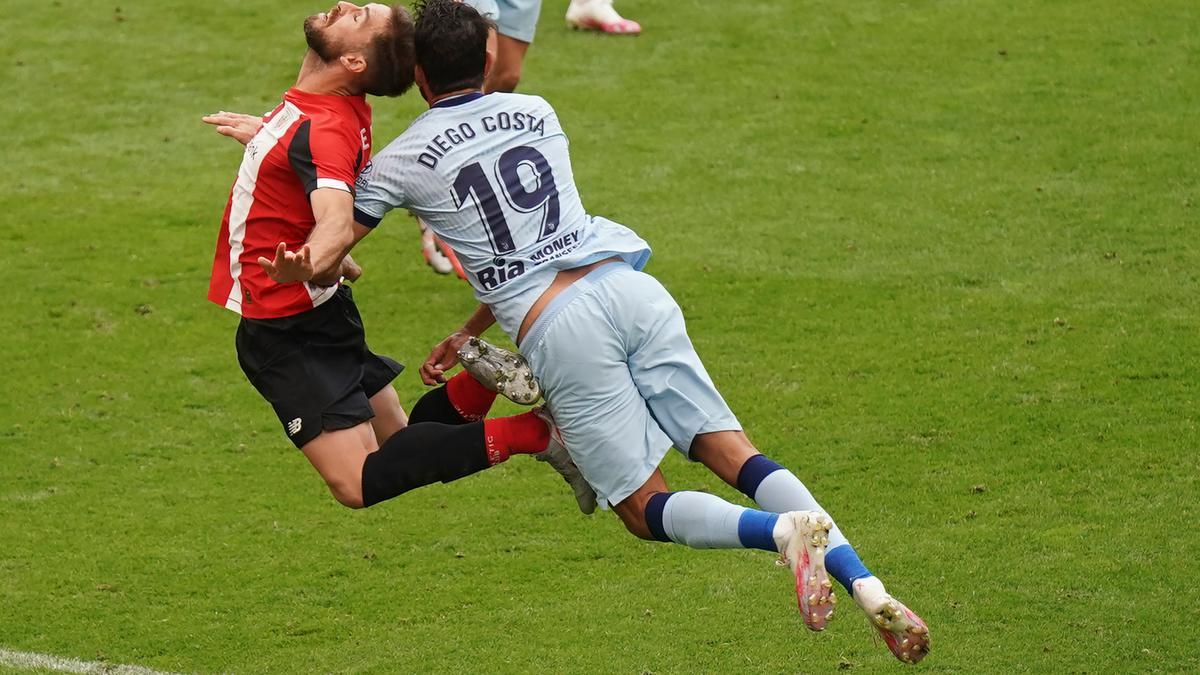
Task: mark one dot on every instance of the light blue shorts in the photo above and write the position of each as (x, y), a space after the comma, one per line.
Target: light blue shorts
(515, 18)
(622, 378)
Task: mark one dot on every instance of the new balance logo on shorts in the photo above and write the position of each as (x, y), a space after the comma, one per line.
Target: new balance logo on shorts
(293, 427)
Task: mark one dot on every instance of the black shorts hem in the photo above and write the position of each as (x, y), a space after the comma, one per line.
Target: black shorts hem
(314, 368)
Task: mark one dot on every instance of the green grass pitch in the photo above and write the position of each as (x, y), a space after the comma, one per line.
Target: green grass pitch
(942, 257)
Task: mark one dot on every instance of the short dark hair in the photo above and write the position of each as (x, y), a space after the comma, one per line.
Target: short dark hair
(390, 56)
(451, 43)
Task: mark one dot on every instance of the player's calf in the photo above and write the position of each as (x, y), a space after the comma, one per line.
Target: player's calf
(643, 506)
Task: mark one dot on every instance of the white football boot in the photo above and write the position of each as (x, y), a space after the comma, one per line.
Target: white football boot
(599, 15)
(439, 262)
(905, 634)
(802, 547)
(556, 456)
(504, 372)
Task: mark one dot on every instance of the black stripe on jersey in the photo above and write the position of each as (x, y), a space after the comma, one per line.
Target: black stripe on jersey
(300, 157)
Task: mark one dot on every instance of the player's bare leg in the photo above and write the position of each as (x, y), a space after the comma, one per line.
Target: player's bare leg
(632, 509)
(389, 414)
(506, 71)
(339, 456)
(724, 453)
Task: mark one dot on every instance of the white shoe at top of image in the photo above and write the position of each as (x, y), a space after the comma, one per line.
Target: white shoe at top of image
(599, 15)
(440, 263)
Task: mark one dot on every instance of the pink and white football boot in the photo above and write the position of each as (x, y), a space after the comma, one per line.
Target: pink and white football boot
(803, 549)
(905, 634)
(449, 254)
(429, 248)
(438, 254)
(599, 15)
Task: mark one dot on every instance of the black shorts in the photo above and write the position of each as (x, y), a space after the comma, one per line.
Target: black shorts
(314, 368)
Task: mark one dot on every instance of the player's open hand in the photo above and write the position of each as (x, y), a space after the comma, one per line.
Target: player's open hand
(288, 266)
(238, 126)
(443, 357)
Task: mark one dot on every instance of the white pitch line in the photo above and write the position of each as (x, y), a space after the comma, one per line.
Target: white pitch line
(33, 660)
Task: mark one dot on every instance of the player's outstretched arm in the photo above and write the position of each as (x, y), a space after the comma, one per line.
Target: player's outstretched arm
(321, 257)
(238, 126)
(444, 356)
(349, 270)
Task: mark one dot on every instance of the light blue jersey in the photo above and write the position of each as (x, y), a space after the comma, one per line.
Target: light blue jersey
(492, 176)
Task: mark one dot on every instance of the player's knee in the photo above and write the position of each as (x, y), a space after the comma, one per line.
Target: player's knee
(347, 493)
(636, 524)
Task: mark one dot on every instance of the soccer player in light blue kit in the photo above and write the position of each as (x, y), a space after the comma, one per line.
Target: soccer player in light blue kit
(492, 176)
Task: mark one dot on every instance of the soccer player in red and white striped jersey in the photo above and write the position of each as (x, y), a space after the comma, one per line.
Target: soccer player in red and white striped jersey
(314, 147)
(300, 339)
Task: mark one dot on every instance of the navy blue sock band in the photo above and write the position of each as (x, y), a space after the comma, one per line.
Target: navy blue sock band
(654, 515)
(843, 563)
(753, 472)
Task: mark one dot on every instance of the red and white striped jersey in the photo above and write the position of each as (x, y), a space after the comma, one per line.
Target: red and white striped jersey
(309, 141)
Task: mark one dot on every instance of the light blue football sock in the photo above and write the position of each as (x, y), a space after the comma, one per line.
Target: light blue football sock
(778, 490)
(701, 520)
(843, 564)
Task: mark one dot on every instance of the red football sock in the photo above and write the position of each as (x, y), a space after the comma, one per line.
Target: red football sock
(523, 434)
(471, 399)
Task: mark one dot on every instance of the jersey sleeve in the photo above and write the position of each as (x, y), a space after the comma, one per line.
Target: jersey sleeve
(549, 119)
(324, 157)
(380, 189)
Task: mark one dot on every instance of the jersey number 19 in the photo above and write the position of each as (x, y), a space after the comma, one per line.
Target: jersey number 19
(472, 182)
